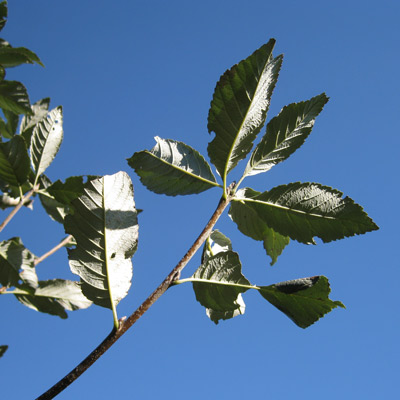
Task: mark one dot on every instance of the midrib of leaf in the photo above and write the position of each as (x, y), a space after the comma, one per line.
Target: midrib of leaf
(209, 281)
(113, 308)
(183, 170)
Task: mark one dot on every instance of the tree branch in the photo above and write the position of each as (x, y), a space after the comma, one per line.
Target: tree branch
(125, 324)
(53, 250)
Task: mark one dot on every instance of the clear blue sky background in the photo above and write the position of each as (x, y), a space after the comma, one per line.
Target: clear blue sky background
(126, 71)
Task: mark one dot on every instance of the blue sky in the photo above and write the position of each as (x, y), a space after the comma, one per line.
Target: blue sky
(131, 70)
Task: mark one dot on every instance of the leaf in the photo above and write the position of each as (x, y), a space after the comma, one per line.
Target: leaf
(172, 168)
(17, 264)
(8, 129)
(46, 141)
(304, 300)
(3, 348)
(14, 162)
(14, 56)
(54, 297)
(64, 193)
(40, 111)
(302, 211)
(3, 14)
(239, 107)
(249, 223)
(218, 284)
(216, 243)
(285, 134)
(14, 97)
(104, 225)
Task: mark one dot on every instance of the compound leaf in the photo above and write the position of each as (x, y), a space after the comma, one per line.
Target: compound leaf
(304, 300)
(104, 225)
(46, 140)
(173, 168)
(239, 107)
(302, 211)
(285, 134)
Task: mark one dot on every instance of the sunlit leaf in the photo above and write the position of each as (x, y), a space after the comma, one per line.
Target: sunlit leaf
(46, 140)
(239, 107)
(40, 111)
(250, 224)
(104, 225)
(14, 97)
(304, 300)
(54, 297)
(173, 168)
(303, 211)
(14, 162)
(216, 243)
(16, 264)
(285, 134)
(218, 284)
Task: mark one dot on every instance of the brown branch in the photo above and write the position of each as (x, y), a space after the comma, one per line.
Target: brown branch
(53, 250)
(125, 324)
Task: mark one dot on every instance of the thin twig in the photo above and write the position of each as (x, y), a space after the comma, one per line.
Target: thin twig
(125, 324)
(17, 208)
(53, 250)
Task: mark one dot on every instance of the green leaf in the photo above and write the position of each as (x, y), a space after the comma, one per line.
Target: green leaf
(302, 211)
(14, 162)
(285, 134)
(54, 297)
(8, 130)
(172, 168)
(17, 264)
(14, 97)
(40, 111)
(216, 243)
(239, 107)
(304, 300)
(3, 349)
(218, 284)
(249, 223)
(64, 193)
(104, 225)
(14, 56)
(46, 141)
(3, 14)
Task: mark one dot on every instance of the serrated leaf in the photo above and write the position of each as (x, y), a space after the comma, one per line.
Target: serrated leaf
(17, 264)
(104, 225)
(40, 111)
(250, 224)
(3, 349)
(304, 300)
(239, 107)
(14, 162)
(173, 168)
(46, 141)
(303, 211)
(14, 56)
(218, 284)
(216, 243)
(285, 134)
(3, 14)
(65, 192)
(54, 297)
(14, 97)
(8, 130)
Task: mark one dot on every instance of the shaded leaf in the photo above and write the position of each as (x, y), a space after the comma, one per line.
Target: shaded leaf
(14, 56)
(250, 224)
(8, 129)
(65, 192)
(54, 297)
(3, 349)
(285, 134)
(14, 162)
(46, 140)
(17, 264)
(239, 107)
(3, 14)
(218, 284)
(104, 225)
(302, 211)
(304, 300)
(40, 111)
(172, 168)
(14, 97)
